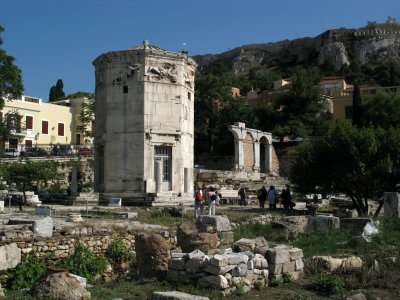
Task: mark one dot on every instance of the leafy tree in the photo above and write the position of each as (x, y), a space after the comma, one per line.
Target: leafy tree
(362, 163)
(215, 109)
(382, 109)
(11, 86)
(301, 109)
(10, 122)
(26, 174)
(86, 118)
(357, 115)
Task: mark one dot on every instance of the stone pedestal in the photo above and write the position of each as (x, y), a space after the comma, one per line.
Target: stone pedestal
(391, 205)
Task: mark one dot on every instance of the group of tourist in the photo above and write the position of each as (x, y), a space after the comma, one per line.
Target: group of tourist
(213, 199)
(199, 201)
(273, 198)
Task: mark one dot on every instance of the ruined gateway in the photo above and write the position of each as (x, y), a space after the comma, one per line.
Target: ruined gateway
(144, 125)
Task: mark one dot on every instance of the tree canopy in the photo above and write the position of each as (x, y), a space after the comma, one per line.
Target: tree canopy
(382, 109)
(11, 86)
(362, 163)
(25, 174)
(301, 111)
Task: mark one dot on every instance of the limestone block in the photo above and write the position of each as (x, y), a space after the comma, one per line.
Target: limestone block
(43, 227)
(10, 256)
(275, 269)
(260, 262)
(237, 258)
(1, 206)
(215, 270)
(174, 295)
(277, 256)
(229, 259)
(240, 270)
(197, 264)
(236, 280)
(178, 255)
(226, 237)
(331, 263)
(244, 244)
(177, 264)
(195, 253)
(325, 223)
(288, 267)
(250, 265)
(214, 281)
(299, 264)
(261, 273)
(228, 277)
(295, 253)
(219, 223)
(80, 279)
(391, 205)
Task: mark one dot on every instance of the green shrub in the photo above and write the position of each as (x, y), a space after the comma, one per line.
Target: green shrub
(302, 296)
(27, 271)
(258, 284)
(56, 188)
(287, 278)
(274, 281)
(240, 289)
(329, 284)
(118, 253)
(84, 263)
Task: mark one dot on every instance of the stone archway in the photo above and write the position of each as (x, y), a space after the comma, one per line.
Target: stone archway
(248, 149)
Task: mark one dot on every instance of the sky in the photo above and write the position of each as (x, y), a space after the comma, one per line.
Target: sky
(59, 39)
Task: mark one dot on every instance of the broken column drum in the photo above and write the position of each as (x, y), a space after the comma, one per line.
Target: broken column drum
(144, 118)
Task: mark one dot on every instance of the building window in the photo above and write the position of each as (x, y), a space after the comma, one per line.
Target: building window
(348, 112)
(189, 96)
(125, 89)
(60, 129)
(29, 122)
(28, 143)
(45, 127)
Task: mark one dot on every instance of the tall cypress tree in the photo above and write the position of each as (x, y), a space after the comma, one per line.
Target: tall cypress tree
(59, 89)
(56, 91)
(357, 115)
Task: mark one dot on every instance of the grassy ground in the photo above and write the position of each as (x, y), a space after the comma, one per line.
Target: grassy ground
(376, 283)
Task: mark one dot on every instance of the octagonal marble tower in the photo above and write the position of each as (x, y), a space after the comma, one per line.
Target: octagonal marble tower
(144, 125)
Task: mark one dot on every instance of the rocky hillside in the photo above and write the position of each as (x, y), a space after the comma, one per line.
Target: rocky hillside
(339, 47)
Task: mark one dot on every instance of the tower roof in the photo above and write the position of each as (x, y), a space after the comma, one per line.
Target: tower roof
(145, 45)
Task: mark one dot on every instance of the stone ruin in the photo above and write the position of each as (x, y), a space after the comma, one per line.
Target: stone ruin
(252, 264)
(230, 271)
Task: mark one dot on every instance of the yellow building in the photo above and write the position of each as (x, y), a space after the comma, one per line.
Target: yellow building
(44, 124)
(342, 100)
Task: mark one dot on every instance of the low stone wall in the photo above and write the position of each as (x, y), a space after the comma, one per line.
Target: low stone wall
(97, 236)
(230, 271)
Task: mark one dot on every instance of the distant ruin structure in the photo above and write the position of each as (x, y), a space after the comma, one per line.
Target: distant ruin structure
(253, 149)
(144, 130)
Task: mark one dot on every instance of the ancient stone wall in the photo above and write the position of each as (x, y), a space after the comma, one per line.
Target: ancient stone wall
(62, 244)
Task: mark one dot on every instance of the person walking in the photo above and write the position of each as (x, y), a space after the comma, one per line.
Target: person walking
(262, 197)
(242, 194)
(212, 196)
(198, 202)
(272, 197)
(286, 196)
